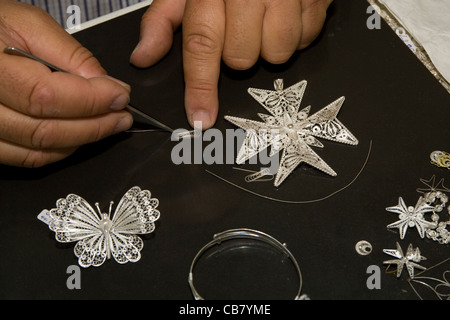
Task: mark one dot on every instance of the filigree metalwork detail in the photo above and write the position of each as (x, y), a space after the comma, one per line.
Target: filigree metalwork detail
(100, 236)
(411, 260)
(410, 216)
(291, 130)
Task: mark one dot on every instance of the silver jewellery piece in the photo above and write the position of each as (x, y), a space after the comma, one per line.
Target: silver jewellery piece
(410, 216)
(410, 260)
(441, 234)
(255, 176)
(100, 236)
(248, 234)
(290, 129)
(440, 159)
(434, 195)
(258, 176)
(434, 192)
(363, 247)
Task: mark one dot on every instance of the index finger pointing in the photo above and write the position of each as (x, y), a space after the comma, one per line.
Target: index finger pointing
(203, 39)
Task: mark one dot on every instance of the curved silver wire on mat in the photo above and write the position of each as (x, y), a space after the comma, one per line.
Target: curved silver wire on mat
(248, 234)
(299, 201)
(440, 287)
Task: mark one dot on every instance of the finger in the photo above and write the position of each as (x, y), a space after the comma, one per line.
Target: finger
(19, 156)
(39, 34)
(314, 13)
(282, 29)
(38, 133)
(31, 88)
(244, 21)
(203, 37)
(157, 27)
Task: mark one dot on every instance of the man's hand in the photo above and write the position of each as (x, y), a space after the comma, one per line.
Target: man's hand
(235, 31)
(45, 116)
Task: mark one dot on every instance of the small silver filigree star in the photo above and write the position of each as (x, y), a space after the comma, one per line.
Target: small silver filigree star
(290, 129)
(410, 260)
(411, 217)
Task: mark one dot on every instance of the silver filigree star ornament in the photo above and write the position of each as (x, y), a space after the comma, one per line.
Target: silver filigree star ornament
(291, 130)
(410, 216)
(411, 260)
(99, 235)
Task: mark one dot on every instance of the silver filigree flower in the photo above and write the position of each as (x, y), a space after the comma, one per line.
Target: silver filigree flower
(411, 217)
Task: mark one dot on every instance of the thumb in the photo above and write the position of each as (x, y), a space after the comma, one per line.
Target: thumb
(35, 31)
(157, 27)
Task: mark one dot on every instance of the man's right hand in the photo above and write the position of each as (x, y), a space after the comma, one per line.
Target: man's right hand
(45, 116)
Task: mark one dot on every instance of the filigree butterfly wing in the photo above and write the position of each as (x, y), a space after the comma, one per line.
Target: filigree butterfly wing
(91, 251)
(135, 214)
(74, 219)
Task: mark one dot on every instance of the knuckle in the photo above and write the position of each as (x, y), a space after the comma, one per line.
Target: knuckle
(89, 106)
(35, 159)
(45, 135)
(201, 43)
(97, 133)
(276, 57)
(238, 63)
(41, 100)
(201, 86)
(82, 57)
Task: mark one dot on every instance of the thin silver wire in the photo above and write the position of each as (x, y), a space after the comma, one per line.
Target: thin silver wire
(300, 201)
(417, 279)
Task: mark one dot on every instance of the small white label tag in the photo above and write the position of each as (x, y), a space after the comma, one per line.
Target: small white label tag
(406, 39)
(45, 216)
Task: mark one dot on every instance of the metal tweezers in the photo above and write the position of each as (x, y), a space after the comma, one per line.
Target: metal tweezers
(22, 53)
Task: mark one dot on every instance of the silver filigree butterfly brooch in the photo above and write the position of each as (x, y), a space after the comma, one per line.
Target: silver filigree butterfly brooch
(101, 235)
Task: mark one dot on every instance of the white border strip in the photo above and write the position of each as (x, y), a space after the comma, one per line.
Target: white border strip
(110, 16)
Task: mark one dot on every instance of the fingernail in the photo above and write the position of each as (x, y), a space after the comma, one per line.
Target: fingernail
(123, 124)
(132, 56)
(201, 119)
(120, 102)
(136, 49)
(123, 84)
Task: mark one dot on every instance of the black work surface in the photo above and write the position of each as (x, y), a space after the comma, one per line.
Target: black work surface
(394, 106)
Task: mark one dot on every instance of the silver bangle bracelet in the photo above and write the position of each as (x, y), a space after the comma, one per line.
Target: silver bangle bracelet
(247, 234)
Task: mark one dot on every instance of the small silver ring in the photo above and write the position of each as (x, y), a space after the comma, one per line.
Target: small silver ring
(248, 234)
(363, 247)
